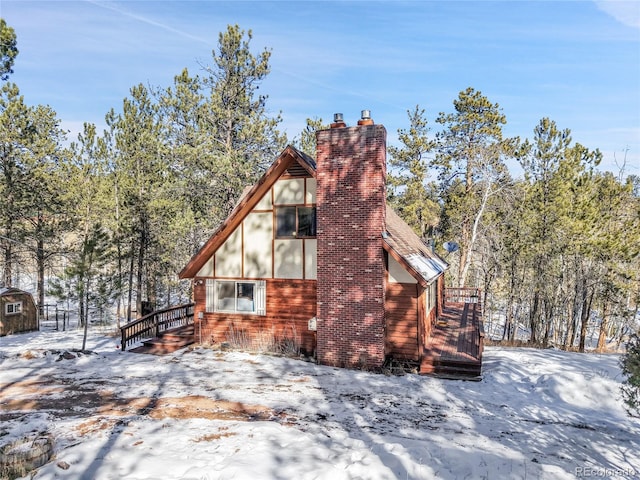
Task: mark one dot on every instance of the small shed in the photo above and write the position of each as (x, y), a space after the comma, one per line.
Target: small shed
(18, 312)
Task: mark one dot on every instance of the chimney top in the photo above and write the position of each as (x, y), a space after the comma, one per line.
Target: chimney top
(365, 118)
(338, 121)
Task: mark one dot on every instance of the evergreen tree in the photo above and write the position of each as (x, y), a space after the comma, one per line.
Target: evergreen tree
(306, 142)
(470, 156)
(630, 363)
(410, 192)
(8, 49)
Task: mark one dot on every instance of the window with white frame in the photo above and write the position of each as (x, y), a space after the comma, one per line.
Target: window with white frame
(12, 308)
(236, 296)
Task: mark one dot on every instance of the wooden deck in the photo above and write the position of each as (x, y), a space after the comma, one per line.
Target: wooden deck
(168, 341)
(455, 347)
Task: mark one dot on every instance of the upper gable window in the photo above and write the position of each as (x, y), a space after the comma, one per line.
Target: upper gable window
(296, 222)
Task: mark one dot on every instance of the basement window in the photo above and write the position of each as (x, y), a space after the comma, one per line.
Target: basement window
(13, 308)
(296, 222)
(231, 296)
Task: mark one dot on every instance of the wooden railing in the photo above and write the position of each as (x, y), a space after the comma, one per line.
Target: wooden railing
(153, 324)
(462, 295)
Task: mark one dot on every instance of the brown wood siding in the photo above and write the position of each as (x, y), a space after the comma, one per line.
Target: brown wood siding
(401, 311)
(290, 305)
(25, 321)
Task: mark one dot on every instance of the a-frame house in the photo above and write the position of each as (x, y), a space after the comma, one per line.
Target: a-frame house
(313, 254)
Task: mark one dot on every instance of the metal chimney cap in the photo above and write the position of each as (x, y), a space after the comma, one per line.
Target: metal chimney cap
(338, 117)
(365, 114)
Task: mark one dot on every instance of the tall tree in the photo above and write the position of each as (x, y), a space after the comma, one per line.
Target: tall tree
(141, 173)
(410, 191)
(471, 160)
(245, 139)
(218, 132)
(43, 215)
(14, 127)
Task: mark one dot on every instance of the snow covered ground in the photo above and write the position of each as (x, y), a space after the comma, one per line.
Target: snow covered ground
(203, 414)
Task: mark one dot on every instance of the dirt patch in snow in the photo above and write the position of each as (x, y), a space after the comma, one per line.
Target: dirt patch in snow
(79, 401)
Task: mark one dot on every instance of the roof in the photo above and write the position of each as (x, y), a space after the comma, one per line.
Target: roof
(11, 291)
(399, 240)
(407, 248)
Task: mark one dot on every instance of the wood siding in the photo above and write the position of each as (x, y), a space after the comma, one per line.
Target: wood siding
(25, 321)
(402, 308)
(291, 303)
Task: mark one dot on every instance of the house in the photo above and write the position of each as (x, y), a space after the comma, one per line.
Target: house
(312, 253)
(18, 311)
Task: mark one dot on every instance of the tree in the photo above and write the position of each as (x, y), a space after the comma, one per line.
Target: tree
(306, 142)
(14, 126)
(84, 280)
(470, 157)
(630, 363)
(141, 174)
(218, 133)
(8, 49)
(410, 193)
(30, 150)
(245, 140)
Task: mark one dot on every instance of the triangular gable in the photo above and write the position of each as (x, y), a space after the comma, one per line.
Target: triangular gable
(402, 243)
(289, 157)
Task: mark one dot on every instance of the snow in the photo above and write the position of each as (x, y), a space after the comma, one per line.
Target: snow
(203, 414)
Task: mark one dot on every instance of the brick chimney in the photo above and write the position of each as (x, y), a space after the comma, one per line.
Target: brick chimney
(351, 196)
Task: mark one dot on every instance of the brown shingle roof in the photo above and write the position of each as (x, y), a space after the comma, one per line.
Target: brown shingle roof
(417, 258)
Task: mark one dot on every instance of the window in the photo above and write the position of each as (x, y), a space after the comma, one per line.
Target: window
(433, 294)
(231, 296)
(295, 222)
(13, 308)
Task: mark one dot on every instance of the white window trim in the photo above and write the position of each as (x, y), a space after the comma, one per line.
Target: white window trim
(259, 301)
(15, 307)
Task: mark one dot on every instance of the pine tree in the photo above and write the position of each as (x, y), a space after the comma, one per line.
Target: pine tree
(306, 142)
(630, 363)
(8, 49)
(471, 160)
(410, 192)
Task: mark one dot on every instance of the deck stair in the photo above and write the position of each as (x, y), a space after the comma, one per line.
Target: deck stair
(168, 341)
(162, 331)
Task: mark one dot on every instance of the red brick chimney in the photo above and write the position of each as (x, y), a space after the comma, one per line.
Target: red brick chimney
(351, 195)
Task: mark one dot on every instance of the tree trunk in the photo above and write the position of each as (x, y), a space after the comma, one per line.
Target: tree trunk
(140, 271)
(130, 286)
(587, 300)
(533, 317)
(7, 273)
(40, 260)
(604, 325)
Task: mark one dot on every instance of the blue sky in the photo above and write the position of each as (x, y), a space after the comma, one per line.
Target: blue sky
(576, 62)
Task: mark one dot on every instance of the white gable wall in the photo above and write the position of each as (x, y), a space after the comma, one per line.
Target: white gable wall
(251, 251)
(258, 233)
(398, 274)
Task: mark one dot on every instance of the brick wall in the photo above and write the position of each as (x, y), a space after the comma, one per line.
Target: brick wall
(351, 194)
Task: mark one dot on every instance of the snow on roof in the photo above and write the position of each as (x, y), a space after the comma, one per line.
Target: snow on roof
(429, 268)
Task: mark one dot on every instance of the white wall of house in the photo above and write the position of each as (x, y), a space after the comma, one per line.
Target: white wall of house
(398, 274)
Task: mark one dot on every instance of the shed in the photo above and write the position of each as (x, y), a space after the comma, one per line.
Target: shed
(18, 312)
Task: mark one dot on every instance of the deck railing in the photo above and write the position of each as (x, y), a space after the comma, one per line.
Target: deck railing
(153, 324)
(462, 295)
